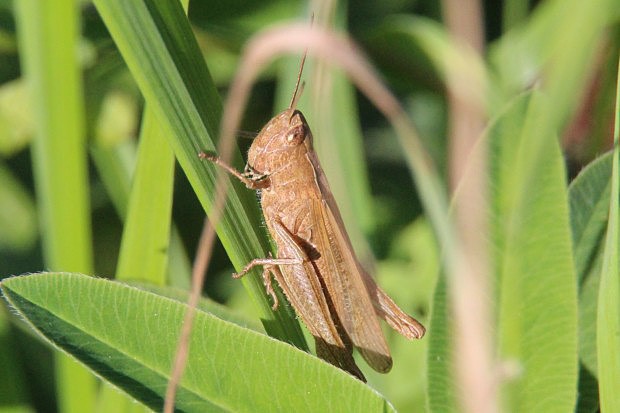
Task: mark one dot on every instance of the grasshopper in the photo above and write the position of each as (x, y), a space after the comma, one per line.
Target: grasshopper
(316, 266)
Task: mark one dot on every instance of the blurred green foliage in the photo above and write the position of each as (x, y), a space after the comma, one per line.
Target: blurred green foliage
(528, 47)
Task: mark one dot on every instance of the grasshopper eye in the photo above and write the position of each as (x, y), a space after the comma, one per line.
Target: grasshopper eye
(296, 135)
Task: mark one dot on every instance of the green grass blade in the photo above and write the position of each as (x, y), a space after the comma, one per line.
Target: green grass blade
(608, 318)
(127, 335)
(157, 44)
(146, 235)
(48, 34)
(115, 167)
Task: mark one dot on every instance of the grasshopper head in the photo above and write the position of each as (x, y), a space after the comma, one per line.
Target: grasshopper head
(286, 136)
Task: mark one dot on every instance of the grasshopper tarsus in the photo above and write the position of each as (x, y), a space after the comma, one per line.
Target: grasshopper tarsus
(206, 155)
(251, 181)
(267, 272)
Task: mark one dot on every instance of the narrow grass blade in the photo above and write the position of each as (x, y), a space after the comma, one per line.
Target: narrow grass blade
(146, 234)
(157, 44)
(48, 33)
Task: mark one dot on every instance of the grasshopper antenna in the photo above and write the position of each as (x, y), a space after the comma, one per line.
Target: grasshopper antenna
(298, 90)
(297, 95)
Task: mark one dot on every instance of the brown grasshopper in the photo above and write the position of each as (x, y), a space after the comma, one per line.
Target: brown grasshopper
(316, 266)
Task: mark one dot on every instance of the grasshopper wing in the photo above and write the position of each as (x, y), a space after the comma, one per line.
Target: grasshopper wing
(348, 291)
(356, 287)
(303, 288)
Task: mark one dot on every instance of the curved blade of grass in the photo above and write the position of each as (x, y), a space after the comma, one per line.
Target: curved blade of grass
(127, 336)
(608, 317)
(157, 44)
(48, 34)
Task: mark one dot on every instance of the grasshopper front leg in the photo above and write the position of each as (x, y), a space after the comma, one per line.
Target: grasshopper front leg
(249, 179)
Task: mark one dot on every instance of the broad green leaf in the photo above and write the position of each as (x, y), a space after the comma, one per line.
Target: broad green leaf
(535, 286)
(128, 336)
(440, 382)
(608, 311)
(536, 283)
(205, 304)
(589, 205)
(159, 48)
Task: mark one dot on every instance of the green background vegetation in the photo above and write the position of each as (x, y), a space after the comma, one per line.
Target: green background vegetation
(98, 100)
